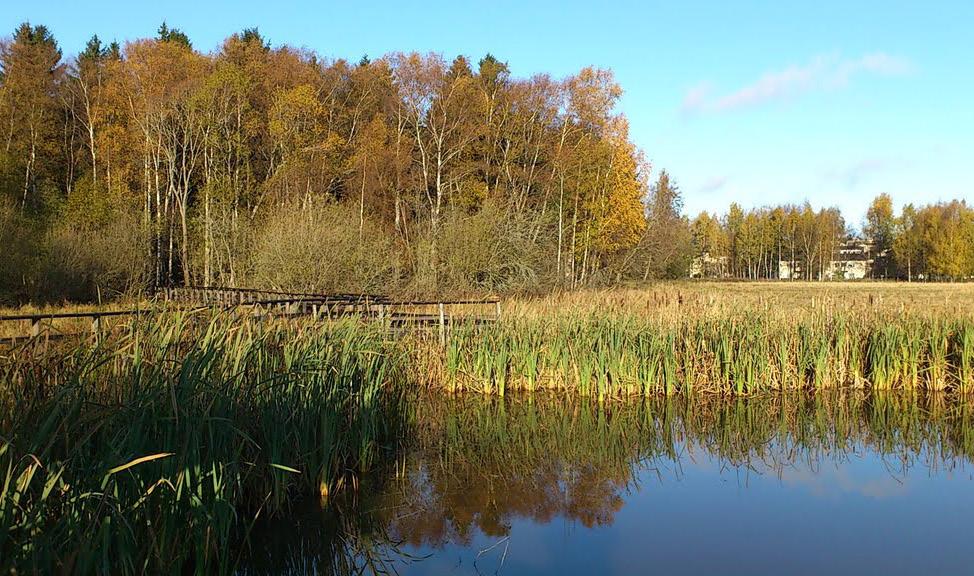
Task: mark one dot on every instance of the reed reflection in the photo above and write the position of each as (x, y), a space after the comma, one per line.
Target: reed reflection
(475, 467)
(478, 464)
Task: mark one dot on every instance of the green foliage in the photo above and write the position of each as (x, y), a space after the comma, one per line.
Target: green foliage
(323, 249)
(489, 251)
(253, 35)
(157, 451)
(94, 51)
(612, 356)
(17, 254)
(175, 35)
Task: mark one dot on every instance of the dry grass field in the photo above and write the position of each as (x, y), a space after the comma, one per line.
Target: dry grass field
(662, 300)
(797, 299)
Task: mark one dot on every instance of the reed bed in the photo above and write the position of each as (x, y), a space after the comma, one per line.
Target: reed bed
(155, 450)
(613, 355)
(796, 300)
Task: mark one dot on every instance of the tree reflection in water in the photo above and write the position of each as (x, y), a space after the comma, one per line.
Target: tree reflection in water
(474, 465)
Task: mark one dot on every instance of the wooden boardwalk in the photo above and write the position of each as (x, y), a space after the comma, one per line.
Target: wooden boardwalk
(263, 304)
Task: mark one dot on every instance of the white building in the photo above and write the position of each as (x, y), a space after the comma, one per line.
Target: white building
(852, 261)
(707, 266)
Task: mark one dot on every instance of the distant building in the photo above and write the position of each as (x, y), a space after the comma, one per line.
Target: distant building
(852, 261)
(707, 266)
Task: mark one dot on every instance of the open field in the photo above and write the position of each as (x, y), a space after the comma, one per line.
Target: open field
(660, 297)
(784, 297)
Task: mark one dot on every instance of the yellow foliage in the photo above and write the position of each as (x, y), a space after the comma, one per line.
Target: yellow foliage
(617, 212)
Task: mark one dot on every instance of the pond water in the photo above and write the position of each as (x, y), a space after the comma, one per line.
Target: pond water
(810, 485)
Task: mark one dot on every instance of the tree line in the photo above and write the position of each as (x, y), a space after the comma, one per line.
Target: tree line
(931, 242)
(126, 168)
(153, 164)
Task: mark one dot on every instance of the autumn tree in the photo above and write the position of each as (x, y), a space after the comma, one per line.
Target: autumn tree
(162, 78)
(907, 242)
(440, 107)
(667, 238)
(709, 242)
(947, 232)
(31, 71)
(879, 231)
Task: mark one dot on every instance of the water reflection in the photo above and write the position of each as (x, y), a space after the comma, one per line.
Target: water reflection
(754, 485)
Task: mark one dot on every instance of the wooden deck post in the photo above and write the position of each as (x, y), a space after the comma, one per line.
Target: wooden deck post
(497, 310)
(35, 327)
(442, 325)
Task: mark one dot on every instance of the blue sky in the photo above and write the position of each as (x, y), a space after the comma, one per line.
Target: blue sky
(761, 102)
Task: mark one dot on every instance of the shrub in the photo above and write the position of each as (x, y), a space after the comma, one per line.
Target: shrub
(92, 261)
(322, 249)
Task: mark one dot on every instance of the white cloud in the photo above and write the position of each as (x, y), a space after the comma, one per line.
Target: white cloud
(713, 184)
(878, 63)
(696, 97)
(820, 73)
(851, 174)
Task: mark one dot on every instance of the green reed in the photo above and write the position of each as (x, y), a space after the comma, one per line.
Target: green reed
(962, 355)
(620, 355)
(154, 450)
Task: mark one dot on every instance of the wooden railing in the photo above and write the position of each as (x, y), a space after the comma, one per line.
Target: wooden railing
(37, 321)
(266, 304)
(230, 296)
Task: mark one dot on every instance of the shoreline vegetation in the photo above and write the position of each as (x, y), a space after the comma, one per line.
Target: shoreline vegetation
(669, 338)
(156, 449)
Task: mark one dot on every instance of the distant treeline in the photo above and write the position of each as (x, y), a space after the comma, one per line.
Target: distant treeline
(151, 164)
(933, 242)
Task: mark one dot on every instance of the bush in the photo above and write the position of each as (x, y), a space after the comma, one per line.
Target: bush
(90, 262)
(489, 250)
(321, 249)
(16, 249)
